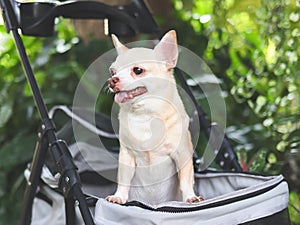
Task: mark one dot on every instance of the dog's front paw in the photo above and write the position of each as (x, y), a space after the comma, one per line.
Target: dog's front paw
(195, 199)
(116, 199)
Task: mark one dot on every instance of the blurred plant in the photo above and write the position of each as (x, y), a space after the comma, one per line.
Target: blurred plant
(253, 46)
(58, 68)
(16, 127)
(294, 207)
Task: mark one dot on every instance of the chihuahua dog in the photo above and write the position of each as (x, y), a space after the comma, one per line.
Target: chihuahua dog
(155, 160)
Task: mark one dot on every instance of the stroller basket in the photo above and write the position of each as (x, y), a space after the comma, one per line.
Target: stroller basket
(231, 197)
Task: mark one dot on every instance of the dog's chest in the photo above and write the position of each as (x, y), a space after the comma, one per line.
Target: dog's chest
(142, 132)
(141, 126)
(151, 130)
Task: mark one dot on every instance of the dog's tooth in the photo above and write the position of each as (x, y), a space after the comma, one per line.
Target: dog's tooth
(120, 96)
(136, 91)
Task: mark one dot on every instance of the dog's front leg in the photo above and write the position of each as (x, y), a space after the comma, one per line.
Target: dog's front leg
(186, 179)
(125, 174)
(184, 163)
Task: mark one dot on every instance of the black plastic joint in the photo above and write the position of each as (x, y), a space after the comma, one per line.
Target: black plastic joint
(66, 167)
(47, 124)
(68, 181)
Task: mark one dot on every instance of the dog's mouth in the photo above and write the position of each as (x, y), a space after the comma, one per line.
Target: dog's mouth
(125, 96)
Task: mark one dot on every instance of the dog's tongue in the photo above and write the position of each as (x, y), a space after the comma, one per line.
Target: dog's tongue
(124, 96)
(121, 96)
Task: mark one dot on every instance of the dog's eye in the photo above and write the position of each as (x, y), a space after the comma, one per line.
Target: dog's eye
(112, 71)
(137, 70)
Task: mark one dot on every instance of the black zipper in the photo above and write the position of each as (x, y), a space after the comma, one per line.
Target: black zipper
(172, 209)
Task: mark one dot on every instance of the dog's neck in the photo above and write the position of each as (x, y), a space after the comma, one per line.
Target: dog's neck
(157, 107)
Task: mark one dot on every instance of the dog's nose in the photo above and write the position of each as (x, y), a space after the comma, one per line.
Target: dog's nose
(113, 81)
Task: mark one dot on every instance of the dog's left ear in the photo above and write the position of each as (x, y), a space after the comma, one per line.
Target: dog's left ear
(118, 45)
(167, 49)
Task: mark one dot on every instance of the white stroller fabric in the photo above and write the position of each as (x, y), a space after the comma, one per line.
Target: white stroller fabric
(54, 213)
(80, 120)
(217, 188)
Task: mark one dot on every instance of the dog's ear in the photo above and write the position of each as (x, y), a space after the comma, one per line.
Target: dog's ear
(118, 45)
(167, 49)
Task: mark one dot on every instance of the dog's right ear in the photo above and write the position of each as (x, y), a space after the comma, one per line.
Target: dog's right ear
(167, 49)
(118, 45)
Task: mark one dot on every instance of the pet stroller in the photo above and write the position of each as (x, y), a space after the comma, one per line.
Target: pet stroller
(64, 185)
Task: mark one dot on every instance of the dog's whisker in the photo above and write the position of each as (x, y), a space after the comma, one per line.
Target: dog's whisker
(106, 90)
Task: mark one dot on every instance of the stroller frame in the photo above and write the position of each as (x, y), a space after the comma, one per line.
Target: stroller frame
(41, 23)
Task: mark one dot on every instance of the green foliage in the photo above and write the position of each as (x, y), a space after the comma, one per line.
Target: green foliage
(253, 46)
(294, 207)
(18, 123)
(57, 69)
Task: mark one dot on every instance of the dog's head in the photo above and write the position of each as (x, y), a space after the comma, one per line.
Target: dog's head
(141, 71)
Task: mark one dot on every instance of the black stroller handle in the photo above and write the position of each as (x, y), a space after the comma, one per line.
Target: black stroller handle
(34, 21)
(38, 18)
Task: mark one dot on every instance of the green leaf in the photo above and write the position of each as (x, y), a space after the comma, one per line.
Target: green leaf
(268, 122)
(17, 151)
(294, 207)
(272, 158)
(3, 184)
(5, 112)
(261, 100)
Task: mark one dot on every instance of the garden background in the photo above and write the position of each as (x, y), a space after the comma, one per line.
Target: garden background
(252, 46)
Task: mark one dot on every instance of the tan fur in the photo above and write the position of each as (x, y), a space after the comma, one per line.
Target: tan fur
(155, 161)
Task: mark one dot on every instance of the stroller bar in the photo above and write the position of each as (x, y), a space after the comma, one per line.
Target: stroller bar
(226, 153)
(61, 155)
(33, 181)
